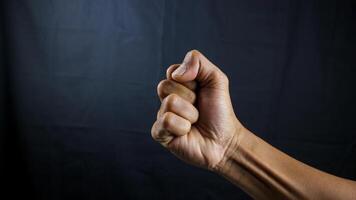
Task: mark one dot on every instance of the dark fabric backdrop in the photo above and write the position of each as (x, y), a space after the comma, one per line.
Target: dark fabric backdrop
(78, 90)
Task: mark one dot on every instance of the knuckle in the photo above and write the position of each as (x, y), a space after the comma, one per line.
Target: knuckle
(162, 86)
(171, 101)
(170, 69)
(216, 75)
(154, 132)
(221, 76)
(195, 115)
(167, 120)
(159, 88)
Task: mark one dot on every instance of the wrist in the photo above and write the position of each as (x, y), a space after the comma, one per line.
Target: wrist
(232, 150)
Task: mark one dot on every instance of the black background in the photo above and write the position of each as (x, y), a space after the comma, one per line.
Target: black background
(78, 90)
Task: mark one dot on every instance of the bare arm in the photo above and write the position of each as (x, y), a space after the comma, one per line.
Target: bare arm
(264, 172)
(197, 123)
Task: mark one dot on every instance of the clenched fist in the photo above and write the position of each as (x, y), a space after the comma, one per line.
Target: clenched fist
(196, 120)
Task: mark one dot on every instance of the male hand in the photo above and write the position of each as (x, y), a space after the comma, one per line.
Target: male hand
(196, 120)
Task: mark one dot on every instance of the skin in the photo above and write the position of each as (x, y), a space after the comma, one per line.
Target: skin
(197, 123)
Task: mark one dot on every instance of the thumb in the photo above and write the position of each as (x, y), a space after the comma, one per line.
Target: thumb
(197, 67)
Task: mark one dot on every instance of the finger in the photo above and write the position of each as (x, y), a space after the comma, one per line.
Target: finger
(167, 87)
(161, 135)
(179, 106)
(168, 126)
(197, 67)
(190, 84)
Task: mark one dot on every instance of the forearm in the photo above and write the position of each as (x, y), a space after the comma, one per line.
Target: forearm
(267, 173)
(198, 125)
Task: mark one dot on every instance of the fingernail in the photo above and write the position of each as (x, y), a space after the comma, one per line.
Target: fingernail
(187, 57)
(180, 70)
(183, 67)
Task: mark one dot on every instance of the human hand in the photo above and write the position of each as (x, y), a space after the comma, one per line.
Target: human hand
(196, 120)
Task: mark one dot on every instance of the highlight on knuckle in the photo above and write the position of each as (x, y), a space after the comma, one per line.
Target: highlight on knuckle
(171, 101)
(167, 120)
(162, 86)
